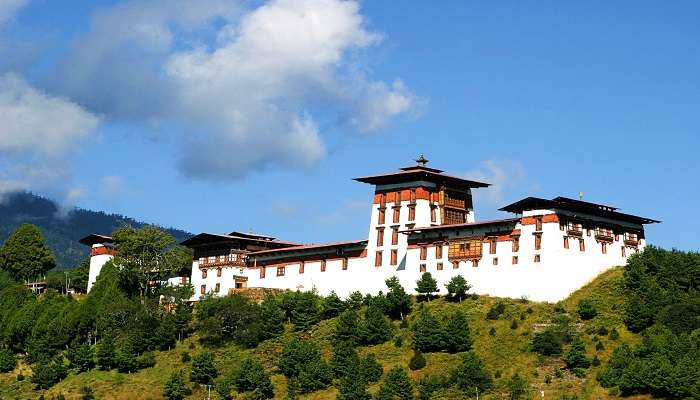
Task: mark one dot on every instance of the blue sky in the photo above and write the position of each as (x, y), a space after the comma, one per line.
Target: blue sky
(219, 115)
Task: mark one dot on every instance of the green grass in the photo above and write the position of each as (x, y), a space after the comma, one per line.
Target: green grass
(506, 352)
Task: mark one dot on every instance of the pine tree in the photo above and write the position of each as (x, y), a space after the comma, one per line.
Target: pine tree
(307, 311)
(271, 318)
(471, 375)
(396, 385)
(576, 356)
(203, 369)
(353, 386)
(175, 387)
(344, 356)
(417, 361)
(428, 334)
(25, 255)
(81, 357)
(106, 353)
(426, 285)
(398, 301)
(517, 387)
(457, 288)
(347, 329)
(250, 376)
(370, 368)
(125, 359)
(376, 327)
(457, 334)
(332, 306)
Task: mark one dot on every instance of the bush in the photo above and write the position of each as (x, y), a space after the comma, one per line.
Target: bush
(250, 376)
(599, 346)
(81, 357)
(86, 393)
(602, 331)
(47, 374)
(614, 334)
(430, 384)
(495, 311)
(457, 288)
(417, 361)
(547, 343)
(8, 362)
(185, 358)
(517, 386)
(470, 374)
(396, 385)
(175, 388)
(146, 360)
(576, 356)
(370, 368)
(203, 369)
(514, 324)
(492, 331)
(595, 361)
(586, 309)
(398, 342)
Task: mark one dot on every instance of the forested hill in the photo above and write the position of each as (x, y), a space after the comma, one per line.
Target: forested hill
(62, 232)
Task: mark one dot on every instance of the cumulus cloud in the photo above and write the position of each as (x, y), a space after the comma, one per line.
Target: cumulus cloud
(37, 131)
(508, 180)
(247, 88)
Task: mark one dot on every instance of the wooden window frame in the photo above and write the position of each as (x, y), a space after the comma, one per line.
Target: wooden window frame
(566, 242)
(624, 253)
(438, 251)
(217, 288)
(204, 274)
(516, 244)
(581, 245)
(433, 213)
(492, 246)
(423, 253)
(378, 258)
(515, 260)
(380, 237)
(203, 289)
(281, 270)
(397, 215)
(323, 265)
(604, 247)
(495, 261)
(394, 257)
(218, 271)
(302, 265)
(345, 264)
(538, 241)
(394, 235)
(439, 266)
(538, 258)
(382, 216)
(475, 263)
(538, 223)
(423, 267)
(262, 272)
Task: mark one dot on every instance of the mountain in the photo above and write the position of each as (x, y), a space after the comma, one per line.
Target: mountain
(63, 230)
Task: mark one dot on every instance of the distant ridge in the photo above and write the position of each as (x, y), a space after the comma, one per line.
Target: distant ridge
(62, 233)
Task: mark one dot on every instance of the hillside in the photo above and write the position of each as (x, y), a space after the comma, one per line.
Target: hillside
(62, 232)
(504, 351)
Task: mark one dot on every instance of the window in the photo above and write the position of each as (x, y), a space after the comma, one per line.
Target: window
(204, 274)
(623, 251)
(604, 232)
(380, 237)
(516, 244)
(382, 200)
(454, 216)
(203, 289)
(202, 260)
(632, 237)
(345, 264)
(378, 259)
(394, 235)
(217, 288)
(382, 214)
(495, 261)
(397, 198)
(538, 241)
(588, 232)
(323, 265)
(439, 266)
(413, 196)
(566, 242)
(438, 251)
(475, 263)
(537, 258)
(262, 272)
(581, 245)
(464, 247)
(218, 272)
(433, 214)
(561, 226)
(394, 257)
(411, 213)
(515, 260)
(301, 267)
(280, 271)
(423, 252)
(604, 247)
(422, 268)
(492, 246)
(538, 223)
(397, 210)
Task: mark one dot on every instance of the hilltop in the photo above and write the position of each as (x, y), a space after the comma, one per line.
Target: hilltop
(62, 229)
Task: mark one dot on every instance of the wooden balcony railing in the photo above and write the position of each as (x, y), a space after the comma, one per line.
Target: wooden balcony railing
(604, 237)
(631, 242)
(452, 202)
(574, 232)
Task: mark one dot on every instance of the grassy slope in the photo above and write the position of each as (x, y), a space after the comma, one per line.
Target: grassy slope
(506, 351)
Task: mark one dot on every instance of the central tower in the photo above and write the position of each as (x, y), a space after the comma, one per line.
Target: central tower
(416, 196)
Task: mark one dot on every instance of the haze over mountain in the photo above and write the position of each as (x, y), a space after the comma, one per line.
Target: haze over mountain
(62, 228)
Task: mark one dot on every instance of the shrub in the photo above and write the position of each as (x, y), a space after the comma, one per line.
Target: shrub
(595, 361)
(203, 369)
(8, 362)
(47, 374)
(185, 358)
(614, 334)
(146, 360)
(398, 342)
(417, 361)
(86, 393)
(586, 309)
(396, 385)
(576, 356)
(602, 331)
(492, 331)
(495, 311)
(517, 386)
(514, 324)
(546, 343)
(470, 374)
(370, 368)
(457, 288)
(175, 388)
(250, 376)
(599, 346)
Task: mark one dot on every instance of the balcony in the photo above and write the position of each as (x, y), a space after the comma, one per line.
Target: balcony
(231, 260)
(631, 242)
(575, 232)
(604, 237)
(456, 203)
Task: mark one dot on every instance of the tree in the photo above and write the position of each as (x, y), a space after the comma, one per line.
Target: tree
(25, 255)
(8, 362)
(344, 355)
(332, 306)
(426, 285)
(417, 361)
(175, 388)
(376, 328)
(81, 357)
(147, 255)
(396, 385)
(203, 369)
(48, 373)
(250, 376)
(79, 276)
(370, 368)
(125, 359)
(307, 311)
(106, 353)
(576, 356)
(547, 343)
(457, 288)
(471, 375)
(586, 309)
(457, 334)
(428, 335)
(295, 355)
(517, 387)
(398, 301)
(353, 386)
(271, 318)
(355, 300)
(347, 328)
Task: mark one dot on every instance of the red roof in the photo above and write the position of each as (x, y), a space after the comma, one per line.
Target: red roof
(415, 173)
(465, 225)
(309, 247)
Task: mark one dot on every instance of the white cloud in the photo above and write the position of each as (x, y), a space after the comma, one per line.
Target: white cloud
(251, 98)
(508, 180)
(8, 9)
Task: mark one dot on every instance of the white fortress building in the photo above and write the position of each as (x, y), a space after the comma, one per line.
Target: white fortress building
(422, 220)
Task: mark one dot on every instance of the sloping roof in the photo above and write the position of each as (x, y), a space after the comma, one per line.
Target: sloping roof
(95, 238)
(465, 225)
(211, 238)
(572, 205)
(310, 247)
(420, 173)
(251, 235)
